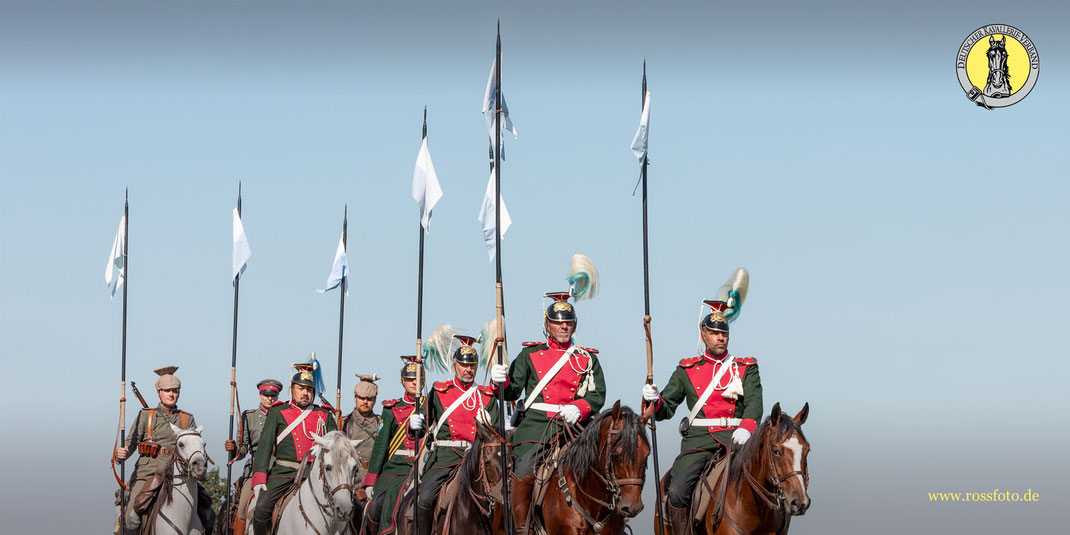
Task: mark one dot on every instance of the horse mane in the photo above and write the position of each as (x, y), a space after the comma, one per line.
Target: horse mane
(167, 488)
(469, 469)
(752, 448)
(582, 455)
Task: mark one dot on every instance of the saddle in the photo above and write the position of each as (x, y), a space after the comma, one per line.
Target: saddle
(146, 504)
(280, 506)
(705, 491)
(446, 498)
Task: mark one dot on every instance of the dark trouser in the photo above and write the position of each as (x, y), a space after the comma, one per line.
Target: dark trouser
(265, 505)
(683, 483)
(526, 464)
(430, 485)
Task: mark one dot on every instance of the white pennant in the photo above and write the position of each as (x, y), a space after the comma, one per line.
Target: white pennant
(117, 260)
(241, 252)
(425, 188)
(486, 217)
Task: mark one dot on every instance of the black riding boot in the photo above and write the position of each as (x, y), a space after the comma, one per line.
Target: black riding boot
(679, 519)
(424, 519)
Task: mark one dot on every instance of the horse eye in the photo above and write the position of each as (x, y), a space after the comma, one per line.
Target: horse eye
(776, 452)
(327, 468)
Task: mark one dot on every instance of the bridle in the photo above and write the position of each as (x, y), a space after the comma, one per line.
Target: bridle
(328, 494)
(491, 493)
(774, 498)
(184, 476)
(610, 483)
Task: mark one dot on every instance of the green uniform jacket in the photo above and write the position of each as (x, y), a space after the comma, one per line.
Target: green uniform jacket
(252, 423)
(462, 422)
(161, 433)
(524, 376)
(358, 427)
(681, 387)
(387, 473)
(293, 447)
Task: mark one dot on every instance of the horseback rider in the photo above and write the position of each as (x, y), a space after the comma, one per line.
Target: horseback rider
(729, 392)
(252, 423)
(564, 385)
(154, 439)
(363, 423)
(454, 407)
(394, 452)
(286, 439)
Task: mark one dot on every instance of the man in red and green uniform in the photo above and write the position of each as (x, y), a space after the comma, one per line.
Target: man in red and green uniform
(563, 384)
(287, 437)
(731, 394)
(455, 407)
(394, 452)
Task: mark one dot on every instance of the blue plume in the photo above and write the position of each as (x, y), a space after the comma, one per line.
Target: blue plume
(317, 374)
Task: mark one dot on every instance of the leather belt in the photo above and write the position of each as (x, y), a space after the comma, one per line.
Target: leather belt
(288, 464)
(716, 422)
(546, 407)
(405, 453)
(454, 443)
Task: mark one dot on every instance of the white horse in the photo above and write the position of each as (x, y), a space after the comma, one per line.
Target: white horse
(178, 497)
(325, 503)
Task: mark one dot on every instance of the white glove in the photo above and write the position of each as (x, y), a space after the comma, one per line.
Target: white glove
(483, 416)
(257, 489)
(570, 414)
(416, 422)
(369, 491)
(740, 436)
(650, 393)
(499, 373)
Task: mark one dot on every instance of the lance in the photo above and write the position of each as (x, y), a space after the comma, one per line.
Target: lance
(419, 353)
(341, 323)
(122, 397)
(500, 316)
(646, 327)
(233, 372)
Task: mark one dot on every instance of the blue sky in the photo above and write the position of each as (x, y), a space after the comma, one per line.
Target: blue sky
(907, 249)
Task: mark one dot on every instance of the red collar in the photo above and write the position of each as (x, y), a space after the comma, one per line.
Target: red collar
(720, 359)
(554, 344)
(263, 410)
(461, 384)
(408, 399)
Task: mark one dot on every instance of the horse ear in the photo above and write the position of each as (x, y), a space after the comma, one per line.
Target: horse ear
(801, 417)
(774, 417)
(356, 442)
(176, 429)
(199, 429)
(991, 39)
(319, 440)
(616, 409)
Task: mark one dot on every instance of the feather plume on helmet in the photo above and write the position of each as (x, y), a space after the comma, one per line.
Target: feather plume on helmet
(582, 277)
(734, 292)
(487, 347)
(436, 350)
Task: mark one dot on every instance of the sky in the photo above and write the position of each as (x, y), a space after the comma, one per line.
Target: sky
(907, 249)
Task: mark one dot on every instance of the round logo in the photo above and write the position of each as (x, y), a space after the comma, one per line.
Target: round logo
(997, 66)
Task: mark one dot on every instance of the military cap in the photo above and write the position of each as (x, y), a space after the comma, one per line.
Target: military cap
(560, 309)
(366, 387)
(167, 380)
(269, 387)
(715, 320)
(411, 367)
(466, 354)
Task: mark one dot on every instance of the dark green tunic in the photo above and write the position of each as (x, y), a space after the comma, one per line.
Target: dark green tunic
(579, 382)
(387, 473)
(294, 447)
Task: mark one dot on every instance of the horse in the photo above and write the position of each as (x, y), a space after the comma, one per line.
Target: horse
(176, 508)
(597, 488)
(999, 83)
(477, 505)
(324, 502)
(767, 480)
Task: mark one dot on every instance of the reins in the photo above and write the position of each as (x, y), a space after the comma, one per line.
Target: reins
(610, 483)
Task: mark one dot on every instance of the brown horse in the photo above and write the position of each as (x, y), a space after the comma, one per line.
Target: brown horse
(767, 480)
(598, 486)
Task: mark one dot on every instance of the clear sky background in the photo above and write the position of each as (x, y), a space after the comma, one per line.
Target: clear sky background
(907, 249)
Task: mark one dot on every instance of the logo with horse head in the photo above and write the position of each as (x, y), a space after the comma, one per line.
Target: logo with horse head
(1005, 64)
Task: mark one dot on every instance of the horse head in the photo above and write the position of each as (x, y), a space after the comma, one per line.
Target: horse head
(491, 448)
(190, 455)
(336, 465)
(624, 457)
(784, 445)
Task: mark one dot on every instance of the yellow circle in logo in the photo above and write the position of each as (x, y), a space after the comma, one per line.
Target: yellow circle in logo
(979, 66)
